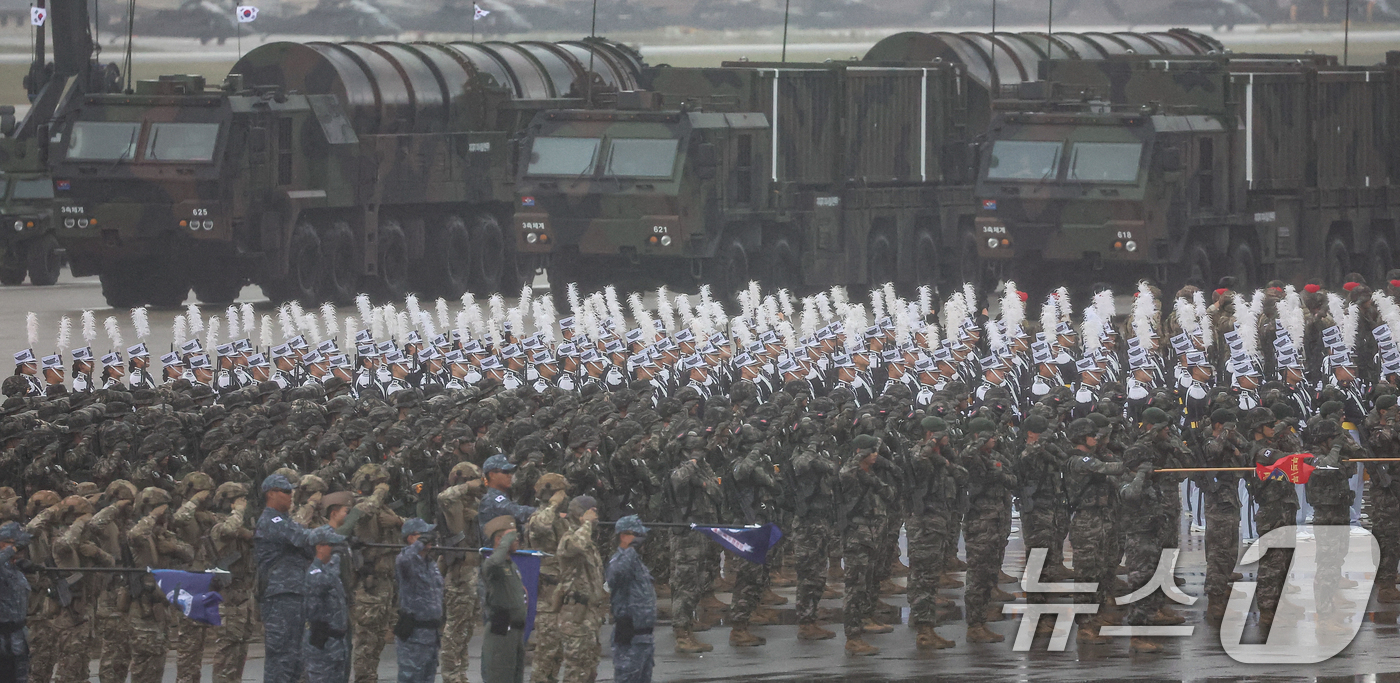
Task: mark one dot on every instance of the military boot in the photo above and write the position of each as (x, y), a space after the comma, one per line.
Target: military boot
(1000, 595)
(981, 634)
(994, 613)
(832, 592)
(724, 584)
(1164, 618)
(771, 598)
(740, 636)
(948, 581)
(710, 602)
(764, 617)
(1143, 645)
(928, 639)
(687, 644)
(889, 587)
(855, 647)
(956, 565)
(1003, 577)
(875, 627)
(1045, 627)
(1089, 635)
(1215, 610)
(814, 632)
(786, 578)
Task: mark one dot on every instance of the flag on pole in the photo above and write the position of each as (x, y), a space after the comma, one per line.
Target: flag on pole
(37, 15)
(247, 13)
(750, 543)
(527, 562)
(1288, 468)
(480, 13)
(190, 591)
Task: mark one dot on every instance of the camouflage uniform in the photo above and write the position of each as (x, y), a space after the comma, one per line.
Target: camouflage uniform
(866, 507)
(151, 616)
(1044, 509)
(581, 601)
(111, 523)
(284, 553)
(755, 488)
(14, 607)
(503, 602)
(328, 660)
(1329, 494)
(232, 539)
(1093, 503)
(815, 474)
(461, 600)
(543, 533)
(420, 598)
(1384, 493)
(1278, 507)
(42, 641)
(1222, 513)
(77, 547)
(931, 495)
(989, 486)
(633, 602)
(695, 490)
(372, 606)
(192, 524)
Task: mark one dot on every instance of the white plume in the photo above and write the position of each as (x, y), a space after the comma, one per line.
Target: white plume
(527, 293)
(925, 300)
(1186, 316)
(575, 304)
(810, 320)
(614, 307)
(634, 304)
(648, 326)
(704, 307)
(444, 317)
(995, 341)
(90, 327)
(410, 304)
(463, 324)
(351, 327)
(377, 328)
(931, 338)
(250, 319)
(211, 338)
(1065, 312)
(839, 298)
(785, 302)
(178, 331)
(284, 319)
(265, 332)
(1290, 315)
(31, 325)
(855, 327)
(475, 319)
(114, 332)
(195, 320)
(65, 334)
(877, 304)
(426, 326)
(970, 299)
(1050, 318)
(329, 322)
(1198, 301)
(544, 318)
(755, 297)
(954, 312)
(1144, 313)
(366, 311)
(682, 306)
(402, 326)
(516, 317)
(231, 314)
(823, 306)
(140, 321)
(497, 305)
(1105, 307)
(1013, 310)
(1247, 323)
(1091, 331)
(664, 312)
(742, 336)
(297, 313)
(312, 328)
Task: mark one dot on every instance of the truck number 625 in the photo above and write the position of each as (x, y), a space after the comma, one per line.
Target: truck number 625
(201, 212)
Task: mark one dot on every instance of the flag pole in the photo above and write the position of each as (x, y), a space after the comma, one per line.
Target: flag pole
(787, 8)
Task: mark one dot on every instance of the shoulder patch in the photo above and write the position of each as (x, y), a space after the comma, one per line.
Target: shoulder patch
(1087, 458)
(315, 570)
(500, 497)
(276, 520)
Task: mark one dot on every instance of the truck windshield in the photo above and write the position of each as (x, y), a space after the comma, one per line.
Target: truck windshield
(642, 158)
(182, 141)
(102, 140)
(563, 156)
(1024, 160)
(1114, 162)
(36, 188)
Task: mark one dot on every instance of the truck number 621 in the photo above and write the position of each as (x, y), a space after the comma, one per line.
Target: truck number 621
(658, 229)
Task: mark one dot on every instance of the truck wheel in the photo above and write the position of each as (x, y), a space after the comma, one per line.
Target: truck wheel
(490, 256)
(341, 274)
(45, 261)
(166, 284)
(784, 267)
(926, 272)
(449, 258)
(1244, 266)
(1382, 260)
(731, 270)
(1196, 268)
(302, 280)
(1338, 262)
(121, 286)
(221, 286)
(392, 282)
(11, 275)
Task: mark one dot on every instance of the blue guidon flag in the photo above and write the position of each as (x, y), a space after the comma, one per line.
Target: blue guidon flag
(749, 542)
(192, 593)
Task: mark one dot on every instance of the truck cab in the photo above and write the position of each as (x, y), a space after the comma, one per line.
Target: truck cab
(633, 190)
(1101, 189)
(27, 241)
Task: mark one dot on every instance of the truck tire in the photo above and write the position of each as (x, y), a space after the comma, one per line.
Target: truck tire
(392, 283)
(1196, 267)
(220, 286)
(1381, 260)
(730, 270)
(340, 274)
(449, 258)
(121, 287)
(1244, 266)
(490, 256)
(1338, 263)
(302, 281)
(166, 284)
(784, 267)
(884, 261)
(11, 275)
(45, 261)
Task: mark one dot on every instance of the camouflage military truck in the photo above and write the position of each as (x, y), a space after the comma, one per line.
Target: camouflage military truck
(27, 225)
(1188, 169)
(314, 170)
(798, 175)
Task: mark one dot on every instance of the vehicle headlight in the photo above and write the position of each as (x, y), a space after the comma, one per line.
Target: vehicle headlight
(19, 225)
(208, 225)
(665, 240)
(69, 222)
(992, 243)
(1130, 245)
(531, 237)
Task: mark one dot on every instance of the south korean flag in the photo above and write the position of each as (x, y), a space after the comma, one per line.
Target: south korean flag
(480, 13)
(38, 15)
(247, 14)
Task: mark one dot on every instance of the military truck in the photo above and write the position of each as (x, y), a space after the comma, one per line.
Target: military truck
(1190, 168)
(27, 227)
(798, 175)
(315, 170)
